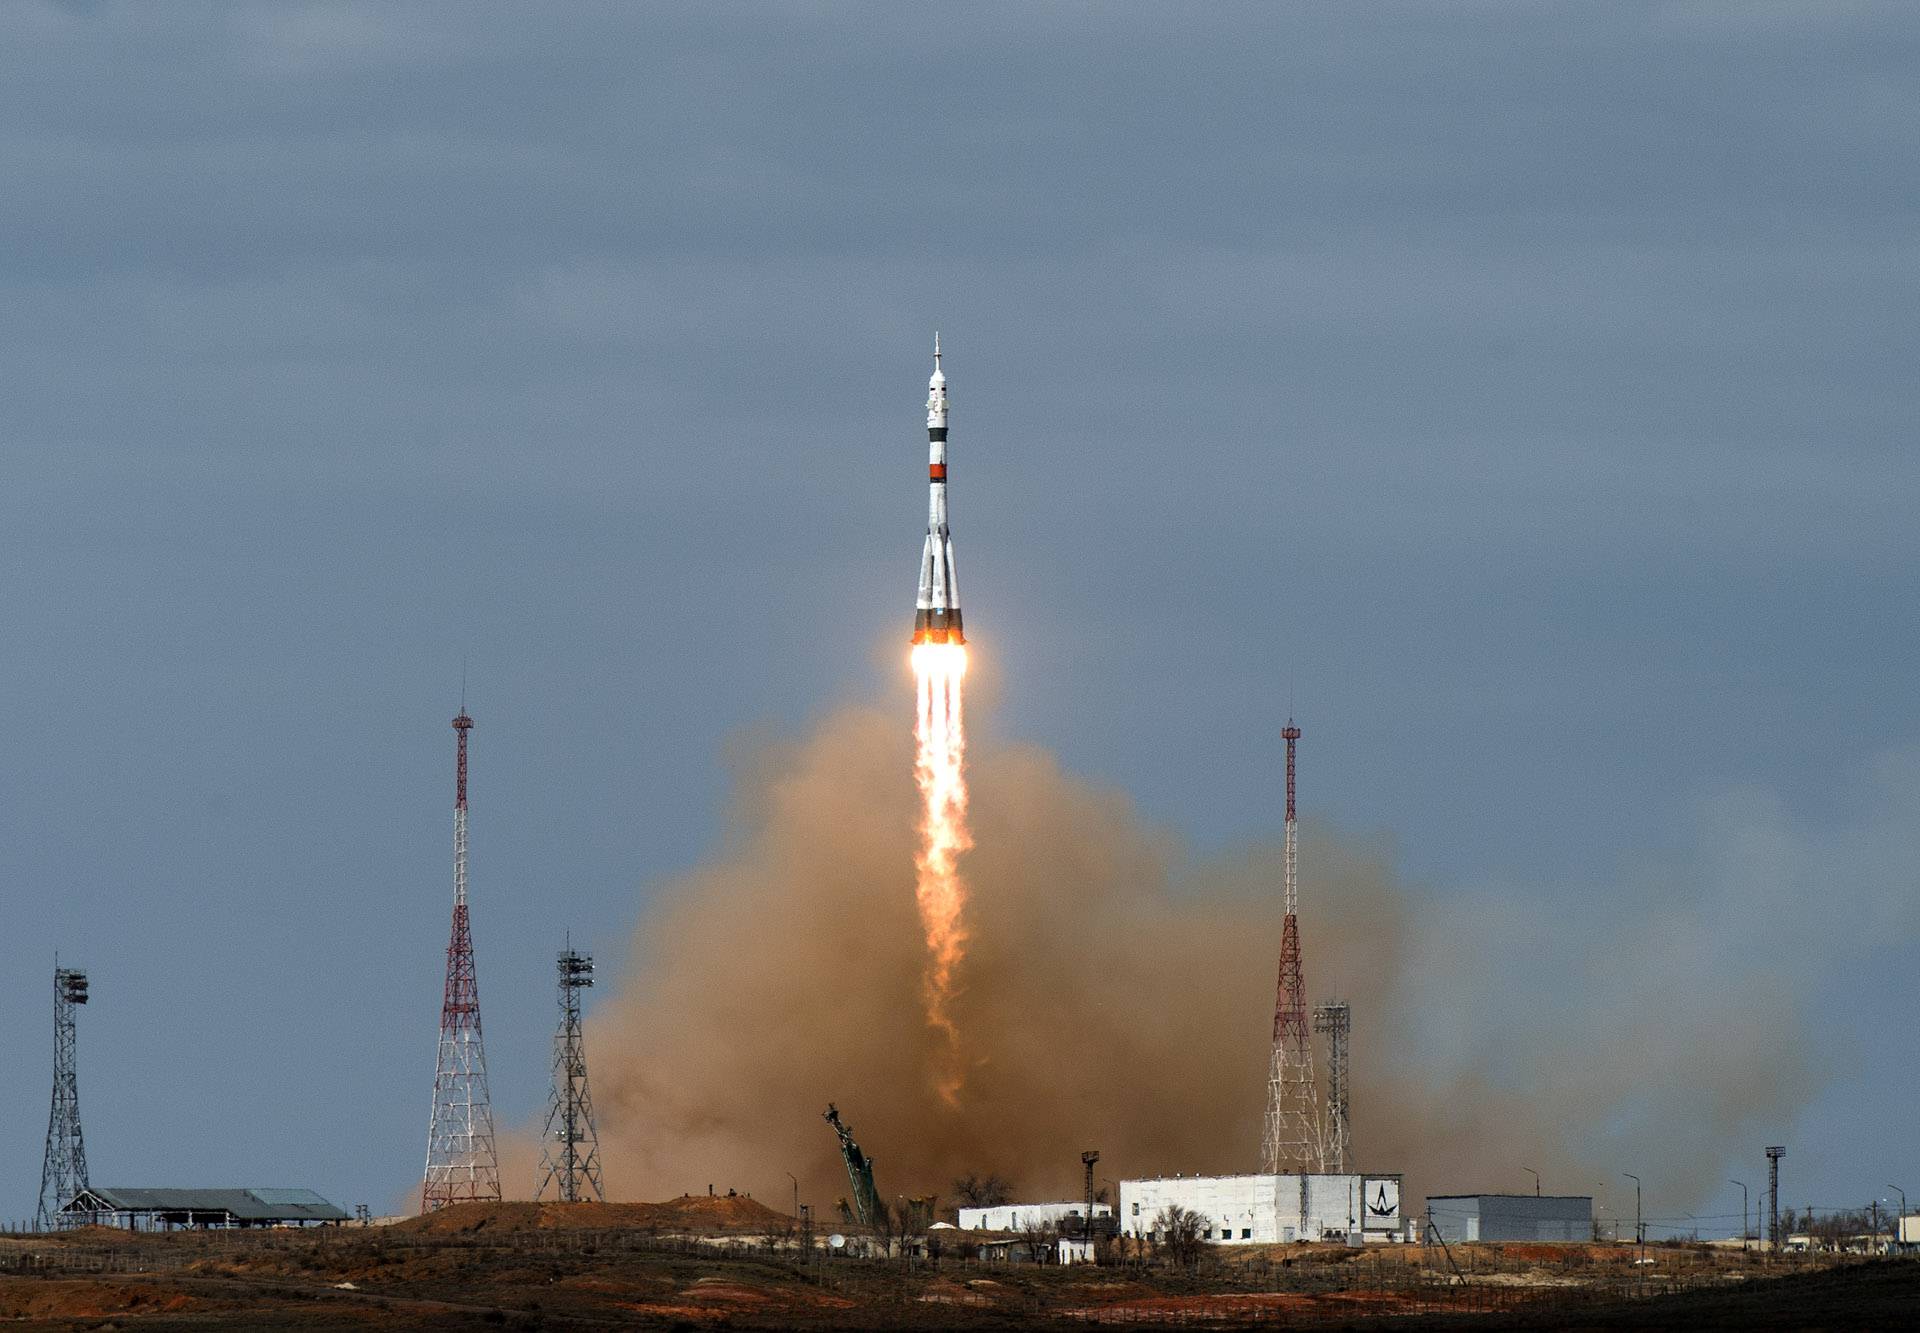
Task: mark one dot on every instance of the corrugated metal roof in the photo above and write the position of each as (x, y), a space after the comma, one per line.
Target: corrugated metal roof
(261, 1205)
(305, 1198)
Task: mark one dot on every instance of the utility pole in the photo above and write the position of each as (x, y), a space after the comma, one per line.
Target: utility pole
(573, 1168)
(1900, 1227)
(461, 1165)
(63, 1171)
(1290, 1138)
(1536, 1180)
(1743, 1212)
(1639, 1227)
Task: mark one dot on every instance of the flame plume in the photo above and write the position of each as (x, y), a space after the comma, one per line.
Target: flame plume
(939, 770)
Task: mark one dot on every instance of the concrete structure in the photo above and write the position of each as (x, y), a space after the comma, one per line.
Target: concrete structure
(1910, 1229)
(1025, 1216)
(1468, 1217)
(1268, 1209)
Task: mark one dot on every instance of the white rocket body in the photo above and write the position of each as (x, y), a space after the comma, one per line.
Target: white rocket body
(936, 616)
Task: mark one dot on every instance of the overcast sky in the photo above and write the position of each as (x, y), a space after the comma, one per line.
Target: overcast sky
(1523, 392)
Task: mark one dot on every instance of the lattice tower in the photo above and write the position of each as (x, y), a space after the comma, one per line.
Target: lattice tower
(570, 1153)
(63, 1172)
(1088, 1160)
(461, 1165)
(1335, 1022)
(1774, 1155)
(1290, 1140)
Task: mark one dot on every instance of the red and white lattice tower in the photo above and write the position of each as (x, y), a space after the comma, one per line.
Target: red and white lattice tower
(1290, 1140)
(461, 1165)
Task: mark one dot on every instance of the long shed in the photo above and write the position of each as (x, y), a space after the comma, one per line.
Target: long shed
(144, 1209)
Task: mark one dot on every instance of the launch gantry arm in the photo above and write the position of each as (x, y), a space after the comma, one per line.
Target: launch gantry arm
(866, 1199)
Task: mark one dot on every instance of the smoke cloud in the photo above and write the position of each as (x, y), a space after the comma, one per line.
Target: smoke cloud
(1118, 994)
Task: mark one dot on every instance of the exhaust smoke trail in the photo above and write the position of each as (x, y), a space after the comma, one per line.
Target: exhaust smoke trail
(939, 771)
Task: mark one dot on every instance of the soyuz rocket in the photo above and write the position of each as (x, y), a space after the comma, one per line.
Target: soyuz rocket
(936, 616)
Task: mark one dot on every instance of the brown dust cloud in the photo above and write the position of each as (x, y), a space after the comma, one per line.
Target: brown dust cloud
(1117, 994)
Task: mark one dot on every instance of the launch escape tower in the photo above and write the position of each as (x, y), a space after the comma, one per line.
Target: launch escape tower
(461, 1165)
(1335, 1021)
(63, 1172)
(570, 1151)
(1290, 1140)
(865, 1208)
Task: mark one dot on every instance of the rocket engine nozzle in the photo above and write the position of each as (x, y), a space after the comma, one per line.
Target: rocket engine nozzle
(937, 627)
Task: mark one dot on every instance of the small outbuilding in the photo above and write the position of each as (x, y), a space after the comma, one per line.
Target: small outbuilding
(1031, 1216)
(1521, 1217)
(163, 1209)
(1073, 1250)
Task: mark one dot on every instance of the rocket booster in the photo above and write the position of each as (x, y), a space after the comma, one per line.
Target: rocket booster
(936, 616)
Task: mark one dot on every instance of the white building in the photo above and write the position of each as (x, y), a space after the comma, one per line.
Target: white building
(1023, 1216)
(1264, 1210)
(1072, 1250)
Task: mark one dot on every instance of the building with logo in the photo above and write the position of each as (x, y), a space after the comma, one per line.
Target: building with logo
(1525, 1217)
(1267, 1209)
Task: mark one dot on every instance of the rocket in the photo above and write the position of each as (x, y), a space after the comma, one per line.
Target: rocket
(936, 616)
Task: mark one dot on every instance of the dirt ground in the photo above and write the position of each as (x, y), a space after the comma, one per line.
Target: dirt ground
(702, 1262)
(717, 1214)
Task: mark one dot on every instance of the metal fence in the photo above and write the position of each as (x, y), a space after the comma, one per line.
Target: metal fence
(1215, 1290)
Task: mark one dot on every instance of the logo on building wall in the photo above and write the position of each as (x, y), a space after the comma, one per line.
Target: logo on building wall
(1383, 1202)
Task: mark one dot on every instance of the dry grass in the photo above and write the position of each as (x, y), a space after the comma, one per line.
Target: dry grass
(733, 1264)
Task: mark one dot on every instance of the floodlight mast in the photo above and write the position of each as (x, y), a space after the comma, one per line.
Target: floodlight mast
(63, 1170)
(570, 1152)
(1335, 1022)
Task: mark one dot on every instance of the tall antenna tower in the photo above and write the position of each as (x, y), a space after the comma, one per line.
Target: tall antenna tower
(570, 1157)
(1335, 1021)
(461, 1165)
(63, 1172)
(1774, 1155)
(1291, 1138)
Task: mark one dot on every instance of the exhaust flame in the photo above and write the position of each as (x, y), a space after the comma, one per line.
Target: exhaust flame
(938, 768)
